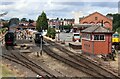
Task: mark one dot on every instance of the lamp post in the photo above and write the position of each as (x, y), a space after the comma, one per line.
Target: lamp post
(41, 37)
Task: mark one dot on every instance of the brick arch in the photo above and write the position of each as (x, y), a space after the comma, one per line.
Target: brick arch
(99, 23)
(107, 24)
(85, 22)
(92, 22)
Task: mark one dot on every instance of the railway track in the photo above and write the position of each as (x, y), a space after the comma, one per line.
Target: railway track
(84, 63)
(21, 59)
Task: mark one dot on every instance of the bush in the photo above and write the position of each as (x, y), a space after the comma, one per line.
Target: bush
(51, 32)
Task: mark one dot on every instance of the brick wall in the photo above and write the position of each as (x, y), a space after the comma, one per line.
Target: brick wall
(97, 47)
(96, 18)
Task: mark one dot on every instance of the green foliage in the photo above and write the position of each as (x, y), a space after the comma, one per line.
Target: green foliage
(31, 21)
(109, 14)
(24, 20)
(66, 27)
(14, 21)
(2, 30)
(6, 72)
(42, 23)
(6, 24)
(51, 32)
(118, 30)
(116, 21)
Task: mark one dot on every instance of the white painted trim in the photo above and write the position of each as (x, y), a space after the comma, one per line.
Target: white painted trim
(99, 37)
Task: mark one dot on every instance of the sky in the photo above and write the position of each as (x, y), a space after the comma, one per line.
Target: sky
(31, 9)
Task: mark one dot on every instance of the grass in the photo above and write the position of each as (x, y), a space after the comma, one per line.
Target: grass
(6, 72)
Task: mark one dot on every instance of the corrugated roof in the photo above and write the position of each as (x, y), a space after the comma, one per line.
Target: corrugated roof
(96, 29)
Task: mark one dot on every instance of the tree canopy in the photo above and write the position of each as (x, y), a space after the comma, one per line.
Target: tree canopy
(31, 21)
(42, 23)
(14, 21)
(116, 21)
(24, 20)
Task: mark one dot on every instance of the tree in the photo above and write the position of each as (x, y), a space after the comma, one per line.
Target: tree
(24, 20)
(116, 21)
(31, 21)
(57, 19)
(118, 30)
(14, 21)
(61, 19)
(42, 23)
(6, 24)
(109, 14)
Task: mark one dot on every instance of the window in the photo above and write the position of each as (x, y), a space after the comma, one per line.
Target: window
(86, 36)
(76, 34)
(96, 18)
(96, 37)
(99, 37)
(102, 37)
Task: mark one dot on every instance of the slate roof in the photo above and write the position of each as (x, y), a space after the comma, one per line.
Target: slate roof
(82, 25)
(96, 29)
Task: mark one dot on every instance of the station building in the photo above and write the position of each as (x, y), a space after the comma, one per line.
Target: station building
(95, 18)
(96, 40)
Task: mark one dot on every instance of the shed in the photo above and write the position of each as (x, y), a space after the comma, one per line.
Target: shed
(97, 40)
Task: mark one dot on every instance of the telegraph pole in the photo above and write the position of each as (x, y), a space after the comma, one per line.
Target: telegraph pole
(41, 46)
(41, 37)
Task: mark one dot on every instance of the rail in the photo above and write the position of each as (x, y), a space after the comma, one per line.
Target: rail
(85, 61)
(26, 62)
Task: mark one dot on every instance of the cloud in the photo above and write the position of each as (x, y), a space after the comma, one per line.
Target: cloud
(106, 4)
(6, 3)
(31, 9)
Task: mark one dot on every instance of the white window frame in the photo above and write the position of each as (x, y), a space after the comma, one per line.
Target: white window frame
(99, 37)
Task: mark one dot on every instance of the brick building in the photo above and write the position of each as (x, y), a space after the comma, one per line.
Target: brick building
(26, 25)
(96, 40)
(96, 19)
(56, 23)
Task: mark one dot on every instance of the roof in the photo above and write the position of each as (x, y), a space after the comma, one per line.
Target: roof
(82, 25)
(96, 29)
